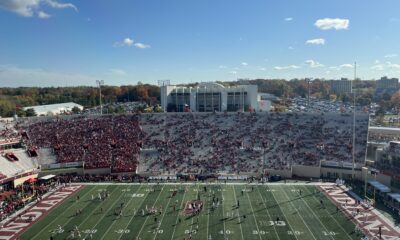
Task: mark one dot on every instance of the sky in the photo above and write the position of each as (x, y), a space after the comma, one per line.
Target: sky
(76, 42)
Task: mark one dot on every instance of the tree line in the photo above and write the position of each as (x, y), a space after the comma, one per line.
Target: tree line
(13, 99)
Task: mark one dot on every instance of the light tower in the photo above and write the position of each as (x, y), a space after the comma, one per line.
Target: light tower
(100, 83)
(354, 121)
(308, 80)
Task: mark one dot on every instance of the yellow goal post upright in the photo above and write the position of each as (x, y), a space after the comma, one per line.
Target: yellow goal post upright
(369, 171)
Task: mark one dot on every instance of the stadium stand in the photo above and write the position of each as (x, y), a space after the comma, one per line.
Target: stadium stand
(200, 143)
(8, 133)
(13, 168)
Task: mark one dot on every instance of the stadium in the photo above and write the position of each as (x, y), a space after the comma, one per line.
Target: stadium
(188, 175)
(199, 120)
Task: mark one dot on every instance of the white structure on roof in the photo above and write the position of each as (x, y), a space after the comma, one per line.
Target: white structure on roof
(54, 109)
(209, 97)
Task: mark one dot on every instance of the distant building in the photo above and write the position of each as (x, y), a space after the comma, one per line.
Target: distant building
(387, 85)
(265, 101)
(340, 86)
(54, 109)
(209, 97)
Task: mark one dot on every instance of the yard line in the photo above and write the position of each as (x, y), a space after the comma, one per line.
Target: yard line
(331, 216)
(37, 234)
(89, 215)
(299, 214)
(191, 226)
(126, 205)
(266, 207)
(315, 216)
(165, 211)
(130, 220)
(240, 225)
(162, 189)
(254, 214)
(176, 222)
(222, 206)
(284, 215)
(208, 216)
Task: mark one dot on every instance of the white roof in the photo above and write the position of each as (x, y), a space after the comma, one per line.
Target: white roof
(54, 108)
(47, 177)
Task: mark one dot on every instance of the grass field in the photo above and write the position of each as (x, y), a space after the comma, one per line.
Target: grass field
(301, 217)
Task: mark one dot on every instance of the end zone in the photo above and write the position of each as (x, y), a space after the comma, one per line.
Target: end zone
(367, 220)
(21, 222)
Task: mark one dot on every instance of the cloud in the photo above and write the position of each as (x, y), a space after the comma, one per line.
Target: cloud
(340, 67)
(244, 64)
(332, 23)
(393, 65)
(262, 69)
(128, 42)
(378, 67)
(346, 65)
(55, 4)
(288, 19)
(290, 48)
(125, 42)
(117, 71)
(385, 66)
(30, 8)
(22, 8)
(316, 41)
(232, 72)
(392, 55)
(222, 66)
(14, 76)
(286, 67)
(141, 45)
(313, 64)
(43, 15)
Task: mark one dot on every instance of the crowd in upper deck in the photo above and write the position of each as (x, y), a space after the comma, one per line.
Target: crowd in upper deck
(8, 132)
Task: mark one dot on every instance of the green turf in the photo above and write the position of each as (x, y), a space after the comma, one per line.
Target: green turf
(301, 217)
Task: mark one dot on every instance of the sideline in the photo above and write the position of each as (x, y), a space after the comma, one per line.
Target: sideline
(212, 183)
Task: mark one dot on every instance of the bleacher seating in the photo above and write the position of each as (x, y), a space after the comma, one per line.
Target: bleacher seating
(24, 163)
(201, 142)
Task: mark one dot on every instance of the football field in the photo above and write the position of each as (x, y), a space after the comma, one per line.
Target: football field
(229, 211)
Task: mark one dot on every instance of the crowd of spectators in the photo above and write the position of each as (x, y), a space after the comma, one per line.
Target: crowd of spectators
(8, 132)
(126, 107)
(100, 141)
(235, 143)
(382, 137)
(201, 143)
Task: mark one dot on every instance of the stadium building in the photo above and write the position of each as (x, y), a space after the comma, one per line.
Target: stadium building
(387, 85)
(209, 97)
(341, 86)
